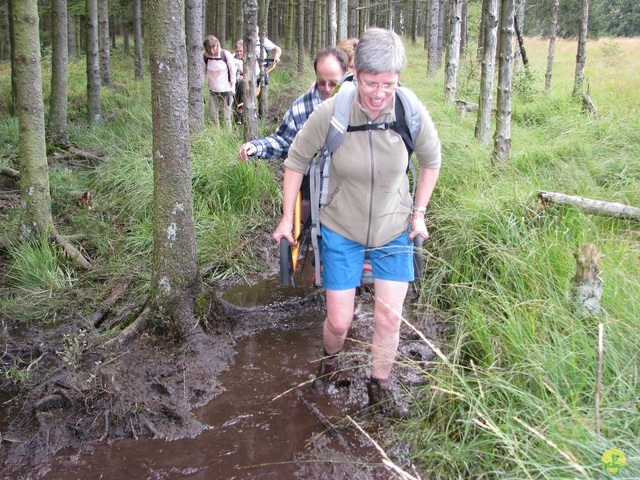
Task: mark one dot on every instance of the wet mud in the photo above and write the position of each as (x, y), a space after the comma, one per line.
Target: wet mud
(245, 409)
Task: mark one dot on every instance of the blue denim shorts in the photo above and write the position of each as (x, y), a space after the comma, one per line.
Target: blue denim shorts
(343, 259)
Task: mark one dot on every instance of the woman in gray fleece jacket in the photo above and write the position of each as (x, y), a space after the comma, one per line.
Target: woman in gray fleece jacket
(369, 209)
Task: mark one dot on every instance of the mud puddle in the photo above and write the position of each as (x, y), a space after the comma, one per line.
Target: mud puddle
(263, 424)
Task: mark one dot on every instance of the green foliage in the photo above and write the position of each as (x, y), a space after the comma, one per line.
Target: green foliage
(512, 395)
(38, 268)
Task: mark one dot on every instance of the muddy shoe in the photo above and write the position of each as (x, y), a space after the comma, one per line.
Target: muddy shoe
(327, 374)
(382, 400)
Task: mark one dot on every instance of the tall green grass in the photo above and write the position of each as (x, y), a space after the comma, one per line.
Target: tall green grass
(515, 395)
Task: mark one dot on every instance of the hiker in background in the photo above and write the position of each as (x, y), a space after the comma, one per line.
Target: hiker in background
(348, 46)
(330, 66)
(370, 209)
(238, 58)
(219, 70)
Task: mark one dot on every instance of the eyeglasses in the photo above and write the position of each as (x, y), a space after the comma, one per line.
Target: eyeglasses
(385, 87)
(323, 83)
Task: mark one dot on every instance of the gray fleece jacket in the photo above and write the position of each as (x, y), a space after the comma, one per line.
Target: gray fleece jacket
(369, 198)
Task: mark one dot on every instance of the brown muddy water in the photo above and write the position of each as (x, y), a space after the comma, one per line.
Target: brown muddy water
(251, 430)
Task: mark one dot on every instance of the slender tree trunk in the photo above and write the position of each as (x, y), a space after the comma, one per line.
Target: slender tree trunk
(5, 52)
(464, 28)
(59, 66)
(552, 45)
(126, 43)
(343, 10)
(12, 51)
(453, 51)
(433, 59)
(35, 199)
(481, 32)
(502, 137)
(301, 7)
(194, 63)
(137, 39)
(93, 67)
(581, 56)
(249, 68)
(221, 23)
(103, 43)
(490, 22)
(72, 44)
(333, 22)
(521, 49)
(175, 279)
(263, 106)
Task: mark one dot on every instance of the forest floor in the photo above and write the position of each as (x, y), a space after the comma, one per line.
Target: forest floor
(76, 393)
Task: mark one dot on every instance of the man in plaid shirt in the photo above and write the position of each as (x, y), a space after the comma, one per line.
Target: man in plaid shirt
(330, 65)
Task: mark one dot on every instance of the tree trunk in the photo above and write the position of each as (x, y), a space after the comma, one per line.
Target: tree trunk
(301, 7)
(5, 52)
(343, 11)
(464, 27)
(35, 199)
(93, 67)
(485, 102)
(581, 56)
(103, 43)
(521, 49)
(72, 44)
(502, 137)
(137, 39)
(59, 66)
(333, 22)
(12, 49)
(221, 22)
(194, 63)
(453, 51)
(263, 98)
(433, 63)
(175, 279)
(249, 68)
(552, 45)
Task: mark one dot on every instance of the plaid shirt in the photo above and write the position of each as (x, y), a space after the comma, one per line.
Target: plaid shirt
(277, 145)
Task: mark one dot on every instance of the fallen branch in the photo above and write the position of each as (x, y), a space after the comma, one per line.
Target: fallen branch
(601, 207)
(322, 420)
(114, 296)
(73, 253)
(588, 106)
(9, 172)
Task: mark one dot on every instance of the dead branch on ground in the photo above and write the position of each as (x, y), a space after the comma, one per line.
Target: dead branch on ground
(72, 251)
(105, 308)
(9, 172)
(601, 207)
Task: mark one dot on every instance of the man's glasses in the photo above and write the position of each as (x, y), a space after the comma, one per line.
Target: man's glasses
(323, 83)
(385, 87)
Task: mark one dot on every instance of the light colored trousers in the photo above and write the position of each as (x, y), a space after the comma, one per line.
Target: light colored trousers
(217, 98)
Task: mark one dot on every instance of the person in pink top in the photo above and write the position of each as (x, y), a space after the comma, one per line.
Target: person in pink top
(219, 70)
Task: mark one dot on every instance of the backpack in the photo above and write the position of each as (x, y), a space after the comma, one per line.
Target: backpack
(223, 57)
(407, 125)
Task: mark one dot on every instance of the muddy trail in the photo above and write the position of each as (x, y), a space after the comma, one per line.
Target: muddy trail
(241, 406)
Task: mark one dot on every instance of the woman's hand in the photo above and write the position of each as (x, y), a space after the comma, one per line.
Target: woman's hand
(284, 229)
(418, 227)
